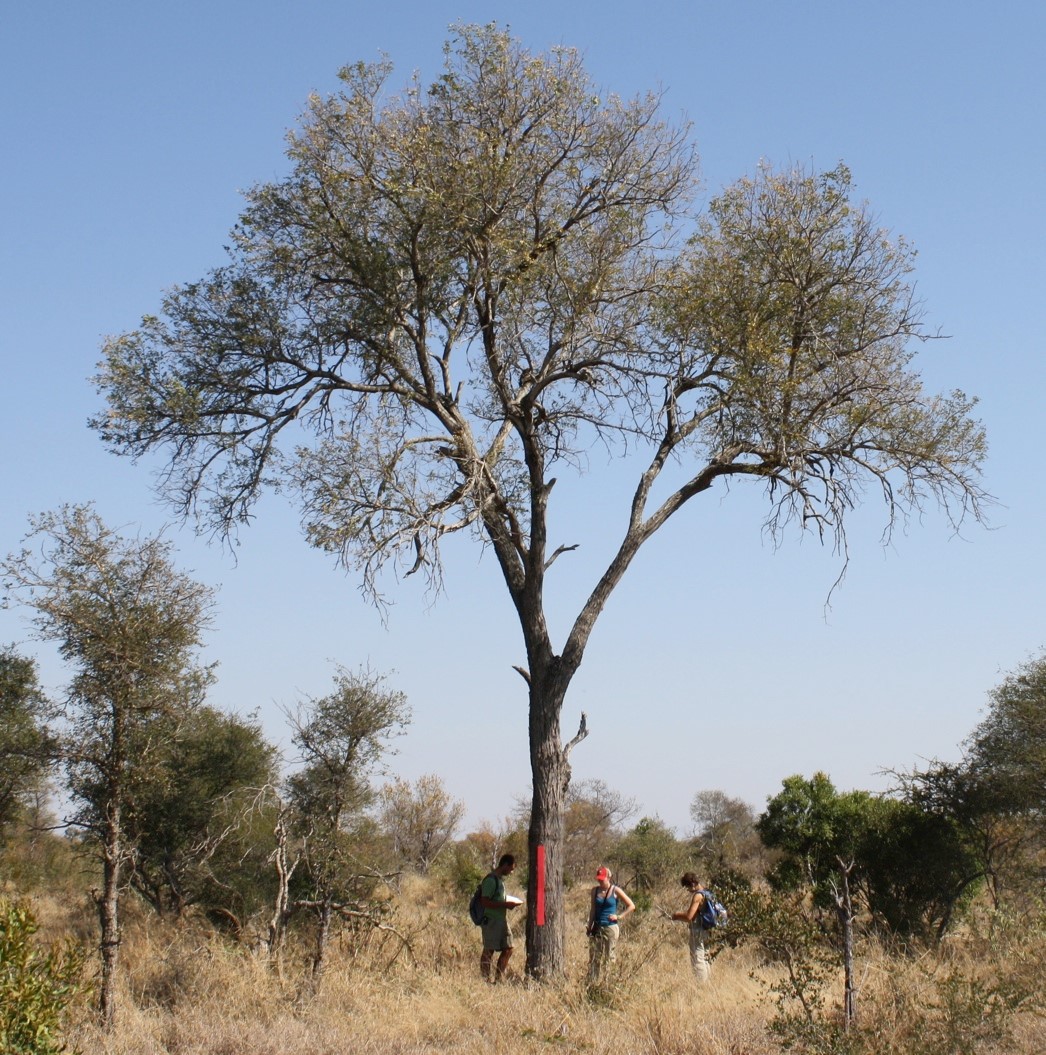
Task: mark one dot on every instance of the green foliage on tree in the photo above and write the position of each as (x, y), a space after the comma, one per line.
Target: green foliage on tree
(26, 744)
(237, 881)
(209, 768)
(129, 625)
(342, 739)
(916, 871)
(909, 866)
(993, 799)
(1009, 747)
(36, 985)
(460, 291)
(648, 856)
(814, 826)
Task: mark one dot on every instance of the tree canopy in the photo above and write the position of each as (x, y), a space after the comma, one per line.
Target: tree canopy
(459, 292)
(342, 738)
(419, 819)
(909, 865)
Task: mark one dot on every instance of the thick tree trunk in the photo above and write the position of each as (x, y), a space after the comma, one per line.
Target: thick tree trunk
(551, 776)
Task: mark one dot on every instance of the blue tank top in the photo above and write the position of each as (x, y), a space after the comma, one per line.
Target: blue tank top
(605, 908)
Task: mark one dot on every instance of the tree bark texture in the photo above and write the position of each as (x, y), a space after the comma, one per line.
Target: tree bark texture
(281, 905)
(109, 918)
(551, 777)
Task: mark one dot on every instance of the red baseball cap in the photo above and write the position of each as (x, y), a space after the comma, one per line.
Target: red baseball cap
(602, 873)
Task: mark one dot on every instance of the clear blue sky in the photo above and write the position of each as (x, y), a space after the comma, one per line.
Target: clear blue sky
(129, 130)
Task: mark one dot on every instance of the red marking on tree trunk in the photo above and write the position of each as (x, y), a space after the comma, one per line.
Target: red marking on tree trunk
(540, 913)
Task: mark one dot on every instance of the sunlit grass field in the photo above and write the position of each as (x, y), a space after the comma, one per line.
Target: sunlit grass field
(415, 988)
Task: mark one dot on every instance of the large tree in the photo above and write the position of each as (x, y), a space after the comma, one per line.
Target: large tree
(594, 817)
(129, 625)
(460, 291)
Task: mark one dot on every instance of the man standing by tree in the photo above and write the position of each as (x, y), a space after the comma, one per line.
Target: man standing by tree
(497, 933)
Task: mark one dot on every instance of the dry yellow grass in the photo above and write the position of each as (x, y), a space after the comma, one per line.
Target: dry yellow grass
(190, 992)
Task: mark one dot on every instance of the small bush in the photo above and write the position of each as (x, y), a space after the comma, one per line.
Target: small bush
(36, 985)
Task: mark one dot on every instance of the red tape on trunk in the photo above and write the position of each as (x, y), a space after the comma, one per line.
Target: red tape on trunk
(540, 884)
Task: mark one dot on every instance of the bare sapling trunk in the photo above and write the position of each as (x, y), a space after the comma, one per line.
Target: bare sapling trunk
(108, 901)
(323, 930)
(845, 910)
(281, 905)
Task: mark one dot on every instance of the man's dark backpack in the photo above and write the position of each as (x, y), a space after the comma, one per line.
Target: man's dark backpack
(712, 912)
(477, 913)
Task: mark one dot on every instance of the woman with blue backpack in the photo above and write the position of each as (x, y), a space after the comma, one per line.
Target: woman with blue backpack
(700, 916)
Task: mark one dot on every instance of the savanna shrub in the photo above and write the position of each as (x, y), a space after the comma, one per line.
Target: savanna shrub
(36, 985)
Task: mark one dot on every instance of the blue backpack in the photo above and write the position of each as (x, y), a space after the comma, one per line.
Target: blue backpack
(712, 912)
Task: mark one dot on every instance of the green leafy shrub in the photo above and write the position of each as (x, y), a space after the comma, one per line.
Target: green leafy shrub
(36, 985)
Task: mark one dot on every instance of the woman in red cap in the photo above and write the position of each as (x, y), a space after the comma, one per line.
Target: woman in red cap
(610, 904)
